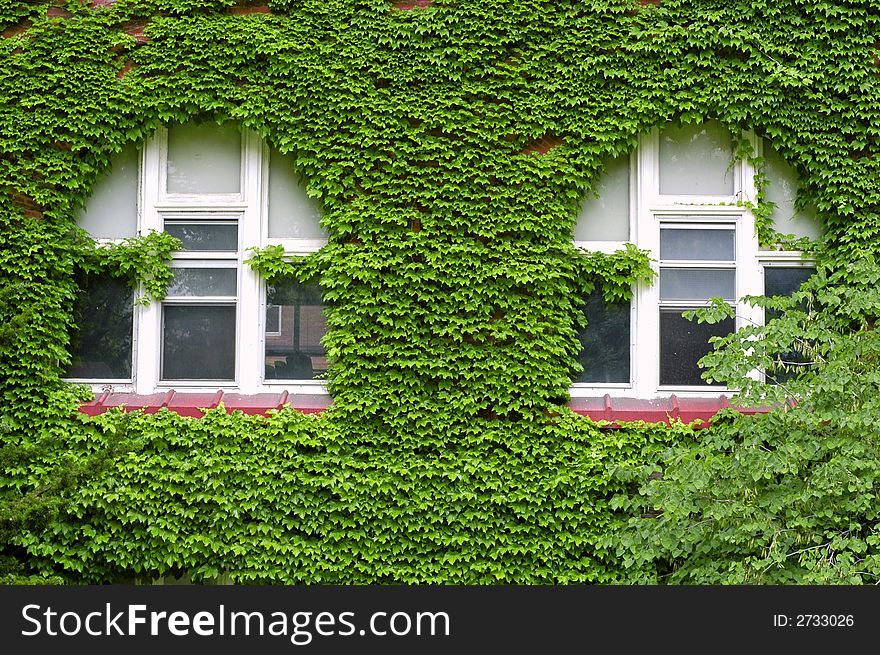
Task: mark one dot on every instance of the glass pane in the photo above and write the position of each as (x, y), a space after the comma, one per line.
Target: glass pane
(606, 218)
(292, 214)
(782, 190)
(785, 280)
(205, 236)
(100, 346)
(204, 158)
(273, 319)
(717, 245)
(682, 344)
(198, 342)
(695, 160)
(293, 336)
(605, 342)
(697, 283)
(203, 282)
(111, 210)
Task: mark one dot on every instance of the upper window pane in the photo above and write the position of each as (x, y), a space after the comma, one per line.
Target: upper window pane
(696, 160)
(294, 328)
(100, 346)
(204, 158)
(292, 214)
(606, 218)
(697, 245)
(782, 190)
(111, 211)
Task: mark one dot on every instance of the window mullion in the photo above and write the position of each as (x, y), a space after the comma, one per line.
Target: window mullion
(251, 309)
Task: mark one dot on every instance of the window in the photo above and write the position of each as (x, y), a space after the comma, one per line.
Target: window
(101, 342)
(697, 262)
(784, 279)
(220, 191)
(676, 196)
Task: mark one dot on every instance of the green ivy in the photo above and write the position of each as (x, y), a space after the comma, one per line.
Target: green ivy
(450, 148)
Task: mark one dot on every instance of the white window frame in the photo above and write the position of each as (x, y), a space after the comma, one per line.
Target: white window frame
(292, 248)
(250, 207)
(649, 209)
(589, 389)
(125, 384)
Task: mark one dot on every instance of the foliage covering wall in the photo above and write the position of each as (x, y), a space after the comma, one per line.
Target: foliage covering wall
(449, 145)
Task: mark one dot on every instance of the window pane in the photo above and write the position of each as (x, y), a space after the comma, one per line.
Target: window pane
(294, 351)
(204, 236)
(111, 210)
(204, 158)
(782, 190)
(273, 319)
(101, 346)
(203, 282)
(695, 160)
(717, 245)
(697, 283)
(198, 342)
(606, 218)
(605, 342)
(784, 281)
(682, 344)
(292, 214)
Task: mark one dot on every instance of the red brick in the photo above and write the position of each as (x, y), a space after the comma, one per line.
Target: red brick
(15, 30)
(407, 5)
(245, 10)
(23, 200)
(137, 31)
(125, 68)
(543, 145)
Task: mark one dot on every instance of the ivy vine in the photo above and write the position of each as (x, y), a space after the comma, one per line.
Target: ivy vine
(450, 146)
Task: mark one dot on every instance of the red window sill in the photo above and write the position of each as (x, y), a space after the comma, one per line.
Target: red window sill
(658, 410)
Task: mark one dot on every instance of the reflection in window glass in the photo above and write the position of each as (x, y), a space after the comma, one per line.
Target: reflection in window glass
(198, 342)
(204, 158)
(784, 281)
(605, 341)
(273, 319)
(111, 211)
(695, 160)
(682, 344)
(201, 235)
(606, 218)
(202, 282)
(294, 328)
(100, 345)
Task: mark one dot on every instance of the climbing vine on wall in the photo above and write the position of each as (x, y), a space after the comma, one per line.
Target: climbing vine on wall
(450, 144)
